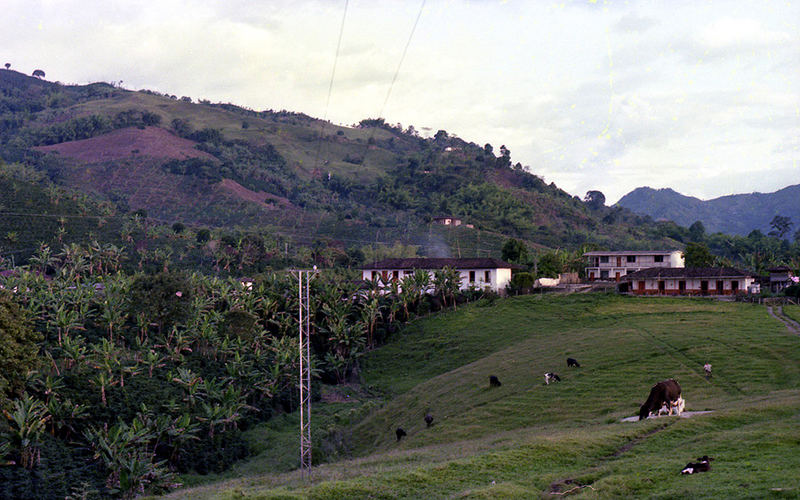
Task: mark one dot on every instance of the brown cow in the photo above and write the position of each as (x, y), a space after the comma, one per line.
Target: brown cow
(663, 393)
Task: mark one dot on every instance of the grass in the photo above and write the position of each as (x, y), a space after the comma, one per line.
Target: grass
(792, 311)
(527, 440)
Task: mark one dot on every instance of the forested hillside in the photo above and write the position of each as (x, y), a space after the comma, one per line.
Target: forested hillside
(205, 164)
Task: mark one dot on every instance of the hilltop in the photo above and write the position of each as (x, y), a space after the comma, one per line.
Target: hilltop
(733, 214)
(221, 165)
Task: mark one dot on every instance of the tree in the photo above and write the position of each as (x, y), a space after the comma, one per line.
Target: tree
(780, 226)
(8, 65)
(698, 255)
(163, 298)
(19, 344)
(697, 231)
(38, 73)
(515, 251)
(595, 199)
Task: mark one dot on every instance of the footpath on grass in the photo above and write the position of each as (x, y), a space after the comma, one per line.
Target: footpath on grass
(792, 325)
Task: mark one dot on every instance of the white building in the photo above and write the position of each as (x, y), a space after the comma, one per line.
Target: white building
(608, 265)
(480, 273)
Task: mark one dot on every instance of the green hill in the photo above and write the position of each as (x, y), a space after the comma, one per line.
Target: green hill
(222, 165)
(528, 440)
(733, 214)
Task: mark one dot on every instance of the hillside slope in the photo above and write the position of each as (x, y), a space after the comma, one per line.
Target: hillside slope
(223, 165)
(733, 214)
(526, 439)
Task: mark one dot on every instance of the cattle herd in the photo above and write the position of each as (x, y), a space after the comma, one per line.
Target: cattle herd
(664, 398)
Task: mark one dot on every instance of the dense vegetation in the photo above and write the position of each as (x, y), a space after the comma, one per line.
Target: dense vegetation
(113, 382)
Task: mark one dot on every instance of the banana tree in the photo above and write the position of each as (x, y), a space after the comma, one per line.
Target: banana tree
(27, 420)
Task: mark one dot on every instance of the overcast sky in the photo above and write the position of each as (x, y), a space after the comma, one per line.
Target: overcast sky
(699, 96)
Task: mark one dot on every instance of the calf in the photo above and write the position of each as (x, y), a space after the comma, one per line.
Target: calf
(494, 381)
(702, 465)
(707, 369)
(428, 420)
(663, 393)
(551, 377)
(572, 362)
(400, 433)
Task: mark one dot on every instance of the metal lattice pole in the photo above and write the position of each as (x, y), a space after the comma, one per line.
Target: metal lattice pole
(304, 278)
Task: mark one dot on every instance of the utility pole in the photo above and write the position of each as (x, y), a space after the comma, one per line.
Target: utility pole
(304, 277)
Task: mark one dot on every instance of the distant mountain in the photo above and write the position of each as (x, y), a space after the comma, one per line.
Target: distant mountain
(733, 214)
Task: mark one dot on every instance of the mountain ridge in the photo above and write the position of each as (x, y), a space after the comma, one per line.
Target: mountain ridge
(733, 214)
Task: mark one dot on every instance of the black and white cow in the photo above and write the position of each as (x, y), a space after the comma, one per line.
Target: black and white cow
(702, 465)
(663, 393)
(551, 377)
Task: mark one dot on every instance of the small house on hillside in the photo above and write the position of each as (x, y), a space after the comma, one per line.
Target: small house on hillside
(688, 281)
(608, 265)
(447, 220)
(479, 273)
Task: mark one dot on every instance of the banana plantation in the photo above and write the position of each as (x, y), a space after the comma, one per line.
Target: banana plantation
(112, 384)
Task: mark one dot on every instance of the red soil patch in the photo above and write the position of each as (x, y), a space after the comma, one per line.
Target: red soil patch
(266, 200)
(154, 142)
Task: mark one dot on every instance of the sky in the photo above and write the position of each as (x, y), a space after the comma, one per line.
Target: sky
(699, 96)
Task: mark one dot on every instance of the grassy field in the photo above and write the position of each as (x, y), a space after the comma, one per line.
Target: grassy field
(529, 440)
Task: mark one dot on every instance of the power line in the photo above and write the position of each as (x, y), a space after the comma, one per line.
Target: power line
(330, 88)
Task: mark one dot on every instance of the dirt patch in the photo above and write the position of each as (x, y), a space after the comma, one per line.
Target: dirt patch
(346, 393)
(262, 198)
(130, 142)
(633, 442)
(686, 414)
(566, 486)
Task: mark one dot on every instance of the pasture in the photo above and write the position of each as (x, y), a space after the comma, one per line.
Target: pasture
(526, 439)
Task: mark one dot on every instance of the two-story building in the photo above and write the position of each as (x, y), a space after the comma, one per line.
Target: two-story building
(613, 265)
(480, 273)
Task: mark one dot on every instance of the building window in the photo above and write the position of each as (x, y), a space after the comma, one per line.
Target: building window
(395, 275)
(658, 258)
(374, 275)
(472, 276)
(487, 276)
(603, 275)
(631, 258)
(604, 259)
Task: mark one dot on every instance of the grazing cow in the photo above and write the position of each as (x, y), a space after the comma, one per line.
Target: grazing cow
(702, 465)
(573, 362)
(663, 393)
(551, 377)
(494, 381)
(400, 433)
(428, 420)
(707, 369)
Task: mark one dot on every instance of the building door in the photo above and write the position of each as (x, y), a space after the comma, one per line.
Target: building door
(720, 287)
(617, 276)
(704, 288)
(619, 261)
(734, 286)
(681, 287)
(641, 286)
(662, 287)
